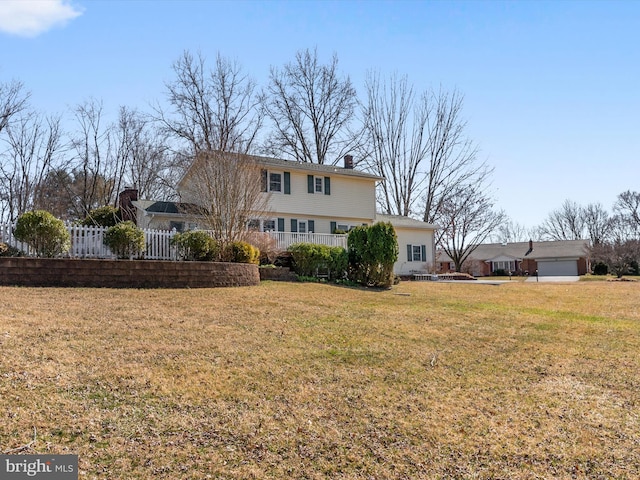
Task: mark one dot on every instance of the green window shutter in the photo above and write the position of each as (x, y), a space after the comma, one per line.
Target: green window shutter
(294, 225)
(312, 226)
(287, 183)
(423, 251)
(263, 173)
(310, 184)
(281, 224)
(409, 253)
(327, 185)
(333, 227)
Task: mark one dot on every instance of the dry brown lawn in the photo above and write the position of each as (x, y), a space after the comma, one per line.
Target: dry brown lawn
(285, 380)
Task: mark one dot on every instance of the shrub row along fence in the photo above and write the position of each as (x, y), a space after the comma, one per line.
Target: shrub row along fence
(88, 242)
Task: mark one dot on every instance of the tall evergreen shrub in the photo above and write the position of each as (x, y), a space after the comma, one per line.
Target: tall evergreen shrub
(372, 252)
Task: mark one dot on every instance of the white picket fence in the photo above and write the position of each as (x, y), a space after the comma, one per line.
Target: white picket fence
(87, 242)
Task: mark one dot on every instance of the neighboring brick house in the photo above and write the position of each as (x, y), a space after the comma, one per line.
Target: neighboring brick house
(307, 202)
(554, 258)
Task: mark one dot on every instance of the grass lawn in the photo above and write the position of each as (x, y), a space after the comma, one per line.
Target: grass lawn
(312, 381)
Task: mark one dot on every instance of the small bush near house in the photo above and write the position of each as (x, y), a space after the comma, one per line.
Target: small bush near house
(196, 246)
(241, 252)
(125, 240)
(372, 252)
(43, 232)
(600, 269)
(266, 244)
(310, 258)
(106, 216)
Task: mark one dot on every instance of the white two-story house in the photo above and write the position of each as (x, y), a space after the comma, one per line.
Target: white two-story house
(310, 202)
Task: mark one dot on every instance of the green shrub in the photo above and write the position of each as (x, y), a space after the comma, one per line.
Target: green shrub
(372, 252)
(43, 232)
(106, 216)
(241, 252)
(310, 259)
(600, 268)
(125, 240)
(196, 245)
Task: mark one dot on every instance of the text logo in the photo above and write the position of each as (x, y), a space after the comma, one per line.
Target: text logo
(49, 467)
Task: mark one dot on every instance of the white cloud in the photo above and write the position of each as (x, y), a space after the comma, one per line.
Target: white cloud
(29, 18)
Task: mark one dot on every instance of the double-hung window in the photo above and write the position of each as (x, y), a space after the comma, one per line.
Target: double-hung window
(416, 253)
(318, 184)
(279, 182)
(275, 182)
(269, 226)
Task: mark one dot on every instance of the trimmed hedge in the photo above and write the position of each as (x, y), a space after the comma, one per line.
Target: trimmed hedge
(125, 239)
(196, 245)
(241, 252)
(310, 259)
(46, 234)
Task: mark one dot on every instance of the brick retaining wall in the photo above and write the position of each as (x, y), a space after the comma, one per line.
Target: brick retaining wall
(59, 272)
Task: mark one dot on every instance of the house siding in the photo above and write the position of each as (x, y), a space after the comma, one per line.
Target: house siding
(413, 237)
(349, 197)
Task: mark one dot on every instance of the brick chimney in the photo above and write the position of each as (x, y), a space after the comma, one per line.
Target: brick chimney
(127, 210)
(530, 248)
(348, 162)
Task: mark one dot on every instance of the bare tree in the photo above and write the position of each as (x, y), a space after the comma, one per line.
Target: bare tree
(395, 142)
(419, 144)
(145, 154)
(98, 164)
(628, 206)
(33, 144)
(467, 219)
(13, 99)
(215, 110)
(227, 187)
(618, 255)
(452, 156)
(597, 223)
(311, 107)
(565, 223)
(510, 231)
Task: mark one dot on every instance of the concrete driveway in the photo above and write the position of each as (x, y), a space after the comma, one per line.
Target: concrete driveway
(574, 278)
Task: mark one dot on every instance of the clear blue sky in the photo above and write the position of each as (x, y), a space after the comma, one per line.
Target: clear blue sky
(552, 89)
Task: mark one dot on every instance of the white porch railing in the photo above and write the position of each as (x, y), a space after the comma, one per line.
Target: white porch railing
(284, 239)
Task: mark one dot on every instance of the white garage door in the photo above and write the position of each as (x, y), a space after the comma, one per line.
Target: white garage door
(559, 268)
